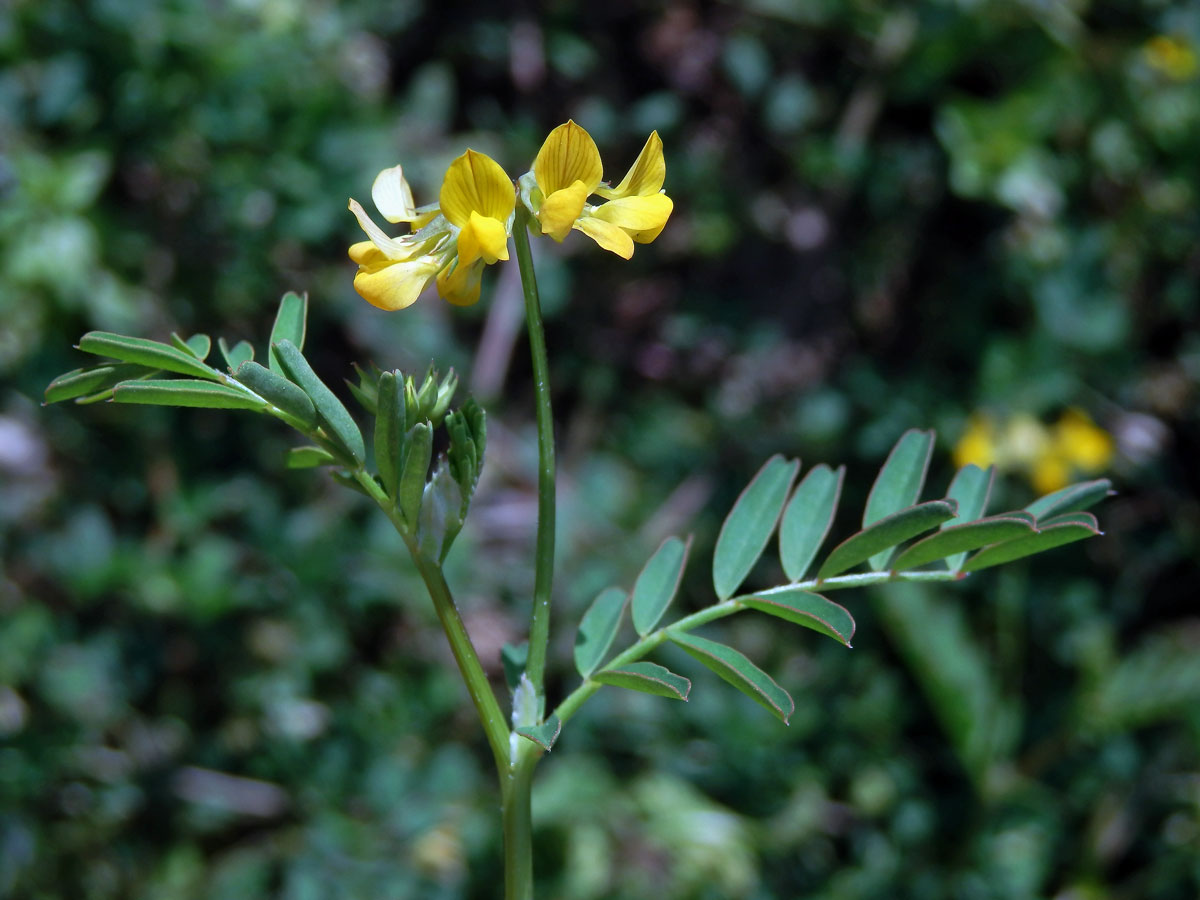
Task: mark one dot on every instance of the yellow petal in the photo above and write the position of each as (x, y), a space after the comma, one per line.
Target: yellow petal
(476, 183)
(482, 238)
(559, 210)
(392, 248)
(1049, 473)
(1085, 445)
(645, 176)
(393, 197)
(607, 235)
(459, 283)
(395, 285)
(977, 445)
(568, 155)
(365, 253)
(637, 214)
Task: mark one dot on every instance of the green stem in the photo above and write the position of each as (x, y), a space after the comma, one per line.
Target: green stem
(649, 642)
(486, 705)
(517, 812)
(539, 626)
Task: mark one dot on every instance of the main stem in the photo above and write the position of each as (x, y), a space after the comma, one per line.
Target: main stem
(517, 783)
(539, 627)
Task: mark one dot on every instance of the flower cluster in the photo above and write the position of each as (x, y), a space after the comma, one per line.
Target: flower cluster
(468, 228)
(1051, 456)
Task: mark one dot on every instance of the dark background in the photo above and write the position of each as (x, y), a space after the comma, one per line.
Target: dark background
(221, 679)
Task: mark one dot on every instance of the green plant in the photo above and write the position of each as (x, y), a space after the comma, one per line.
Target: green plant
(427, 497)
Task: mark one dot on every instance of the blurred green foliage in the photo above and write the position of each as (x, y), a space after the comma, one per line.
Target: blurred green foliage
(218, 679)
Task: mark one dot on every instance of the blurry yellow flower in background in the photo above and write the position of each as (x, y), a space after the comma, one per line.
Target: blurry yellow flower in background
(451, 240)
(568, 171)
(1174, 57)
(1049, 456)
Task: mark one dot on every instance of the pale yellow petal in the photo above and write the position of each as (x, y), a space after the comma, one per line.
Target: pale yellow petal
(393, 248)
(568, 155)
(559, 210)
(645, 176)
(459, 283)
(482, 238)
(607, 235)
(637, 214)
(393, 197)
(395, 285)
(476, 183)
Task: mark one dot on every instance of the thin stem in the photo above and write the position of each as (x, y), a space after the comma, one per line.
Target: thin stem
(539, 625)
(486, 705)
(649, 642)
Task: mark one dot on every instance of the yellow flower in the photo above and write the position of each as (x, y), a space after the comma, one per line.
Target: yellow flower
(568, 171)
(451, 240)
(1050, 457)
(1172, 56)
(1081, 443)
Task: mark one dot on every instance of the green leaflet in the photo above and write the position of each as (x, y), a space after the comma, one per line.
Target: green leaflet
(958, 540)
(389, 430)
(657, 583)
(186, 392)
(808, 518)
(334, 418)
(414, 469)
(309, 458)
(543, 735)
(290, 325)
(647, 677)
(198, 345)
(806, 609)
(736, 669)
(151, 354)
(598, 629)
(1072, 498)
(277, 390)
(242, 352)
(899, 482)
(85, 384)
(876, 541)
(748, 526)
(1053, 532)
(970, 489)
